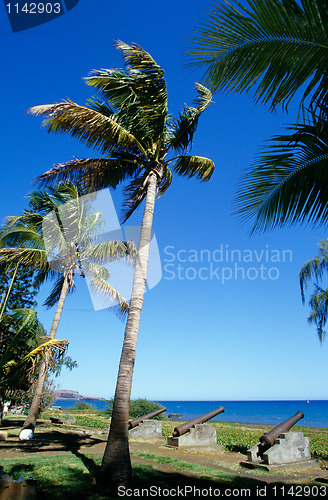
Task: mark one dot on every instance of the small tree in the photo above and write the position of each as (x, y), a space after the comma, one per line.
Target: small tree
(137, 408)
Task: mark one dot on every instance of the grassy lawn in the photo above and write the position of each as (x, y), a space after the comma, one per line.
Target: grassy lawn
(72, 475)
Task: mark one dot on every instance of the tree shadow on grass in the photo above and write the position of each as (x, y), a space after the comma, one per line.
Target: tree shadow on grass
(68, 479)
(53, 441)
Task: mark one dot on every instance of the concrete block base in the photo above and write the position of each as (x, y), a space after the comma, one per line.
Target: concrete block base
(291, 448)
(148, 429)
(201, 436)
(19, 490)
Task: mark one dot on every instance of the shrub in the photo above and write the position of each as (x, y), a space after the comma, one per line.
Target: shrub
(138, 408)
(81, 405)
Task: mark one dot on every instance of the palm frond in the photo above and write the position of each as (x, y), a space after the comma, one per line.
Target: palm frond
(110, 297)
(146, 107)
(182, 128)
(289, 184)
(116, 86)
(194, 166)
(314, 268)
(50, 350)
(23, 322)
(54, 295)
(108, 251)
(90, 127)
(134, 194)
(319, 314)
(29, 257)
(273, 47)
(16, 233)
(93, 173)
(165, 182)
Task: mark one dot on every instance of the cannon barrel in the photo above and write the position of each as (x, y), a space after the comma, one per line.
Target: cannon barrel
(268, 438)
(134, 423)
(183, 428)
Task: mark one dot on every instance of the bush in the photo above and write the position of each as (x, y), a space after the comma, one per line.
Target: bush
(138, 408)
(81, 405)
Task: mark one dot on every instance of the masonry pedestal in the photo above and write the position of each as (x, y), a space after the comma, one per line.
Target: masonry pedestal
(200, 436)
(291, 449)
(148, 429)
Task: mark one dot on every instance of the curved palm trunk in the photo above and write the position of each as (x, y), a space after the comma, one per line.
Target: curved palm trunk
(30, 421)
(1, 410)
(116, 465)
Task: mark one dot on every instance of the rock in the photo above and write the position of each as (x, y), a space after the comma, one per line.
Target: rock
(175, 415)
(56, 420)
(70, 420)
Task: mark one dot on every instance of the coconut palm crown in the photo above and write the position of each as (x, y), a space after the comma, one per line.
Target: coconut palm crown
(56, 236)
(130, 125)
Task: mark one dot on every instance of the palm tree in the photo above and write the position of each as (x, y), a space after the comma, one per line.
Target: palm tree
(16, 370)
(131, 127)
(21, 331)
(314, 270)
(275, 48)
(57, 237)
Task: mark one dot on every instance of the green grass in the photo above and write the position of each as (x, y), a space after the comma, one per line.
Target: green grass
(58, 477)
(202, 471)
(73, 475)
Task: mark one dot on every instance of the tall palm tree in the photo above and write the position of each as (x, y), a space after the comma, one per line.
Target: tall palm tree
(57, 237)
(130, 125)
(275, 48)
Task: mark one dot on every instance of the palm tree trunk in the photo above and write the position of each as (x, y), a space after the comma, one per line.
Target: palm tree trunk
(3, 304)
(116, 464)
(1, 410)
(30, 421)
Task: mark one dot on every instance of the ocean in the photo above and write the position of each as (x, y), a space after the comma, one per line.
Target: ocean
(255, 412)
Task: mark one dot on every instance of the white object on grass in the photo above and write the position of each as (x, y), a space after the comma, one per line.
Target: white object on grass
(25, 434)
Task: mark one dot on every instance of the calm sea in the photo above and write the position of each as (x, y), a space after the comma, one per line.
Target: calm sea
(256, 412)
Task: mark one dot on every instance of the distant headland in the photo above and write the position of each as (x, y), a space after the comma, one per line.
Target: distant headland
(74, 395)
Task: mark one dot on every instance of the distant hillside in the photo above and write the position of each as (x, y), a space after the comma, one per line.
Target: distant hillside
(69, 394)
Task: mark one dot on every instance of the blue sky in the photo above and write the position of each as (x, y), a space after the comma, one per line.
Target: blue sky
(200, 339)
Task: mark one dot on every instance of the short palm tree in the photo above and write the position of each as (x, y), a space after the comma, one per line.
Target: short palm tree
(130, 125)
(20, 346)
(18, 361)
(314, 270)
(57, 237)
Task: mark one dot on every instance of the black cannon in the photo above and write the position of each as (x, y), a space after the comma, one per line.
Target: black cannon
(183, 428)
(137, 421)
(268, 438)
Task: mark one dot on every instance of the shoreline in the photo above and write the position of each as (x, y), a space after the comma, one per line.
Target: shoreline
(252, 413)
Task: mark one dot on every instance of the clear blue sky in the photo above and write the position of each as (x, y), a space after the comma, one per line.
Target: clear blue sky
(200, 339)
